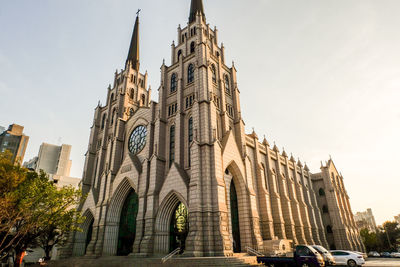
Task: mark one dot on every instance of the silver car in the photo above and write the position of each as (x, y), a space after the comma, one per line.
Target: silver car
(328, 258)
(349, 258)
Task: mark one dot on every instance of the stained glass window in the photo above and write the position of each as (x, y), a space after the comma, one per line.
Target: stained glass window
(137, 140)
(127, 224)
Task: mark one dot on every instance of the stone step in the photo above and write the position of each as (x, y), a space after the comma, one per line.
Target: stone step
(238, 261)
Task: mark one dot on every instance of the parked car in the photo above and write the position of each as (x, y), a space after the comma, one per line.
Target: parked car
(373, 254)
(349, 258)
(303, 256)
(385, 255)
(365, 256)
(328, 258)
(395, 254)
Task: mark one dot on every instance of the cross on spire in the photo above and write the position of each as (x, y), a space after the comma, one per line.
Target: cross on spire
(137, 13)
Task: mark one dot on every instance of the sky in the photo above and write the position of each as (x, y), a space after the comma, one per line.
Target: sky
(319, 78)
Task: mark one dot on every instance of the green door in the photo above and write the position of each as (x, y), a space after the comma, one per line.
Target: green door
(127, 224)
(235, 219)
(179, 228)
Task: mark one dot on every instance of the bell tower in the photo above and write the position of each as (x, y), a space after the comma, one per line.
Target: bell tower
(200, 107)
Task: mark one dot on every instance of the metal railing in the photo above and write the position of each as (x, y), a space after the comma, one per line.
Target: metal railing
(254, 252)
(170, 255)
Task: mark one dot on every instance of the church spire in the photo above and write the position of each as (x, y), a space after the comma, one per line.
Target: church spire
(133, 55)
(195, 7)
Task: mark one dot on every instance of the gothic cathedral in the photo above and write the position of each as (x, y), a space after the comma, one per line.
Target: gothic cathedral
(182, 174)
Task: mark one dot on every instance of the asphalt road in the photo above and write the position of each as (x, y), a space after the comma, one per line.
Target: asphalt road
(382, 262)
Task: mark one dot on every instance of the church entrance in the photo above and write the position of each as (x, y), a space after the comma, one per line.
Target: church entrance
(179, 228)
(89, 235)
(235, 219)
(127, 224)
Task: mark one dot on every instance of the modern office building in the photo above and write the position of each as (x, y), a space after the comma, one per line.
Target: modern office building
(14, 140)
(55, 161)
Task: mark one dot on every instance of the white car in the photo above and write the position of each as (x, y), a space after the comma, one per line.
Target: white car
(347, 258)
(395, 254)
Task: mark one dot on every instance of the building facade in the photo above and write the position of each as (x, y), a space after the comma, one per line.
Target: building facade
(55, 161)
(182, 173)
(15, 141)
(340, 227)
(365, 219)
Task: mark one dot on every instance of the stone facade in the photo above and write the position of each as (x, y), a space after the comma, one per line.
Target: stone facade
(365, 219)
(196, 153)
(339, 225)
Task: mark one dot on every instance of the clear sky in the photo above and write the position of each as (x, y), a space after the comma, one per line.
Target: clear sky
(317, 77)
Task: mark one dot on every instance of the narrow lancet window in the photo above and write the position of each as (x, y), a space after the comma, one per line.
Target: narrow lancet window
(190, 73)
(171, 145)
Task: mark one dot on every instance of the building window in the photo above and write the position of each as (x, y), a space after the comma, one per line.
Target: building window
(173, 83)
(183, 38)
(329, 229)
(227, 87)
(143, 100)
(103, 122)
(214, 74)
(192, 47)
(190, 137)
(189, 101)
(132, 93)
(190, 73)
(112, 97)
(113, 116)
(229, 109)
(171, 145)
(325, 209)
(321, 192)
(216, 101)
(179, 54)
(172, 109)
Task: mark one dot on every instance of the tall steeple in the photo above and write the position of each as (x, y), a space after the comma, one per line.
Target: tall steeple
(196, 6)
(133, 55)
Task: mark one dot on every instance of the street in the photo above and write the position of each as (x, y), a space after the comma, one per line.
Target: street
(381, 262)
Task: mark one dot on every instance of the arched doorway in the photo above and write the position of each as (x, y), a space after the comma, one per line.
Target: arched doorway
(89, 235)
(127, 224)
(179, 228)
(235, 218)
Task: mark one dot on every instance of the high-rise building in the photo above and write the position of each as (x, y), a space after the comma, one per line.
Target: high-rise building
(55, 161)
(182, 173)
(15, 141)
(365, 219)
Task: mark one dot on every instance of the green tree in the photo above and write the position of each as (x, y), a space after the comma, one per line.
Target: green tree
(61, 219)
(370, 239)
(36, 212)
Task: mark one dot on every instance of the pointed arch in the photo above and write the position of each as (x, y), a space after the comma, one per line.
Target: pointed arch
(82, 238)
(163, 219)
(233, 175)
(113, 215)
